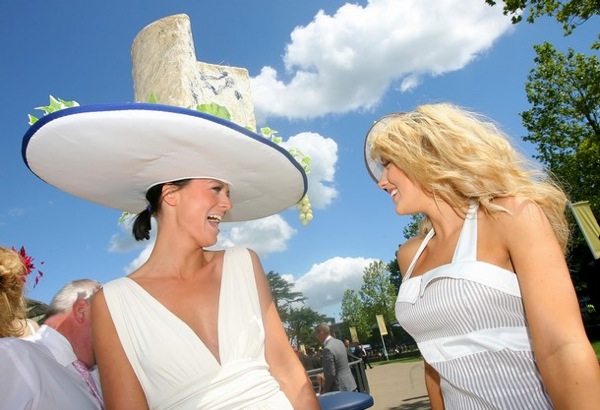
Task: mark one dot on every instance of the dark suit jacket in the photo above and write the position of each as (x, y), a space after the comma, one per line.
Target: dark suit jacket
(335, 367)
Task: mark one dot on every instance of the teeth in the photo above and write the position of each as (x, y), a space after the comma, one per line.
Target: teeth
(215, 218)
(394, 192)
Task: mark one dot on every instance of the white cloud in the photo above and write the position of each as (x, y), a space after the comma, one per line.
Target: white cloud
(141, 258)
(265, 235)
(323, 152)
(324, 284)
(347, 61)
(123, 241)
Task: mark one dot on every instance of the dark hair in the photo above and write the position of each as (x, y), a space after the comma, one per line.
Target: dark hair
(142, 224)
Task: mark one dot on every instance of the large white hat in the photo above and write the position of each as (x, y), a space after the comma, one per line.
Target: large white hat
(111, 154)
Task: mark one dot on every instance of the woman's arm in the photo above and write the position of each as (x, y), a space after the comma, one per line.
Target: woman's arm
(120, 386)
(283, 362)
(565, 358)
(432, 383)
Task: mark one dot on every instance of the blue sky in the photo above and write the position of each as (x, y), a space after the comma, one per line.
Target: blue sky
(321, 73)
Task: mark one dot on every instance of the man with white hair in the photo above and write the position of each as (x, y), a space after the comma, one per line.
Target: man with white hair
(51, 368)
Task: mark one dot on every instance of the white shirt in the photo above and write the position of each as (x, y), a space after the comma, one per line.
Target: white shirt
(38, 373)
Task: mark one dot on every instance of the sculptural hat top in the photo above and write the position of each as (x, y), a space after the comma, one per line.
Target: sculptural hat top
(111, 154)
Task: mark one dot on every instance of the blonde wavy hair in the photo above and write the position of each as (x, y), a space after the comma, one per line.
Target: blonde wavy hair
(461, 157)
(12, 302)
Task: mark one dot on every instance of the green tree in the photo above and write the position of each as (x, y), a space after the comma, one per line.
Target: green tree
(301, 323)
(377, 293)
(412, 228)
(376, 296)
(283, 296)
(564, 119)
(354, 315)
(395, 275)
(570, 14)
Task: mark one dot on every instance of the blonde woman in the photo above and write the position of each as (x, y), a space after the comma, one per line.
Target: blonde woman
(486, 291)
(13, 314)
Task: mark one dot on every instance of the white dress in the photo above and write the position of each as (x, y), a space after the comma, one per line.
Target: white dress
(175, 369)
(468, 320)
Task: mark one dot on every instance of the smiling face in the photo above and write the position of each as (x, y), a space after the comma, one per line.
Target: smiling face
(201, 205)
(407, 196)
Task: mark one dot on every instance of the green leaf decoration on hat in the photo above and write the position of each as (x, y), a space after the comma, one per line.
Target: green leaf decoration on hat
(304, 206)
(215, 110)
(56, 104)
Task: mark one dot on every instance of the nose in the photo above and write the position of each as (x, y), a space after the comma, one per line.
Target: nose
(226, 202)
(383, 181)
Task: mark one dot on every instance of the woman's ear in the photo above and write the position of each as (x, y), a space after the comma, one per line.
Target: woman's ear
(169, 194)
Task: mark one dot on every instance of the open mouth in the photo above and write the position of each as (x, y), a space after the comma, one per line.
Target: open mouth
(214, 219)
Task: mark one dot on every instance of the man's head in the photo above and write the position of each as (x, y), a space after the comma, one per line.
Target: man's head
(70, 314)
(322, 332)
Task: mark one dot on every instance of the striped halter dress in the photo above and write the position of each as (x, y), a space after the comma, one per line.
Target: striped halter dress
(468, 320)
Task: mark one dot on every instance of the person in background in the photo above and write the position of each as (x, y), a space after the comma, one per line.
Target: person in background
(490, 249)
(51, 369)
(349, 347)
(361, 353)
(13, 312)
(336, 371)
(314, 358)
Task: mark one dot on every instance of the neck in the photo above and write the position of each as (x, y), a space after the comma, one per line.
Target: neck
(445, 219)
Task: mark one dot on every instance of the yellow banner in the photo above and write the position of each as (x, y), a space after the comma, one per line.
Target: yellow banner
(353, 334)
(588, 225)
(381, 324)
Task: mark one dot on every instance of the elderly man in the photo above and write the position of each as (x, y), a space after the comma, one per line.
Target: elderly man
(51, 369)
(336, 371)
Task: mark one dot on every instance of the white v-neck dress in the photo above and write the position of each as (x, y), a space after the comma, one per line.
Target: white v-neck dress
(468, 320)
(175, 369)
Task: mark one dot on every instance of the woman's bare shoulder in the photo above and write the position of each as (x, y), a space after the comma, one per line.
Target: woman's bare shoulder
(520, 210)
(406, 253)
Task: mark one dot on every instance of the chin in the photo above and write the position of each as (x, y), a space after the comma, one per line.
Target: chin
(400, 210)
(210, 243)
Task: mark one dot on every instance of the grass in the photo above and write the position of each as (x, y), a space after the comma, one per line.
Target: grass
(414, 356)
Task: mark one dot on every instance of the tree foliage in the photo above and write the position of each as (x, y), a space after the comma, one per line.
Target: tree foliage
(569, 14)
(377, 292)
(353, 314)
(412, 229)
(395, 275)
(376, 296)
(299, 320)
(283, 295)
(301, 323)
(564, 119)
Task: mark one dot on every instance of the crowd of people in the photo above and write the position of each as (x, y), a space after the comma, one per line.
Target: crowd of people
(493, 234)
